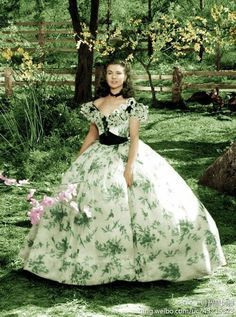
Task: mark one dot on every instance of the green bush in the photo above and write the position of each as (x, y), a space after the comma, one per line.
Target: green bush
(38, 129)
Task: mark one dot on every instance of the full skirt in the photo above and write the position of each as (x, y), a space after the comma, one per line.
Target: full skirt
(157, 229)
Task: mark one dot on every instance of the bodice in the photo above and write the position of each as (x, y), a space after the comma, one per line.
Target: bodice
(117, 122)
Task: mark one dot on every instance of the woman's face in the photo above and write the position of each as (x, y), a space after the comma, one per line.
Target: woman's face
(115, 76)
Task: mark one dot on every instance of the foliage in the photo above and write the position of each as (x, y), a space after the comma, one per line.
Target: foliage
(8, 10)
(35, 114)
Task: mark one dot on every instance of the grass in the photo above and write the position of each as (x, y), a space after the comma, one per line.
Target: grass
(190, 141)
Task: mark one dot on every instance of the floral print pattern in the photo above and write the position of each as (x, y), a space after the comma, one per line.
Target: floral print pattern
(157, 229)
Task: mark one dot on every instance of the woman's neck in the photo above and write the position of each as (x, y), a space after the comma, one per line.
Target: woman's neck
(116, 92)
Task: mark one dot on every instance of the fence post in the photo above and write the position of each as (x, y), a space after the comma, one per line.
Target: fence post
(8, 82)
(41, 38)
(177, 85)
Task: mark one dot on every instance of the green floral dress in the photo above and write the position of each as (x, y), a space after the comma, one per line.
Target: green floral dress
(155, 230)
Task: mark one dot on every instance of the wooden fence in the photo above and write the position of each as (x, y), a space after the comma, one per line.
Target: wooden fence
(175, 83)
(48, 39)
(43, 35)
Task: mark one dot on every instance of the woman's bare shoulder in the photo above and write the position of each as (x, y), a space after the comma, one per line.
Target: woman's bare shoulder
(98, 101)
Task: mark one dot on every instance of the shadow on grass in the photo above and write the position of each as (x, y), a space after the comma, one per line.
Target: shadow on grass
(193, 149)
(21, 289)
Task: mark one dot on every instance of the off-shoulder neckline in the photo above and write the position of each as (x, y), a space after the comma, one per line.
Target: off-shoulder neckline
(113, 111)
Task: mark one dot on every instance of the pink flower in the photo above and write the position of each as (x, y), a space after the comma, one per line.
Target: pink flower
(34, 202)
(10, 181)
(74, 205)
(48, 201)
(35, 214)
(72, 189)
(64, 196)
(31, 194)
(87, 211)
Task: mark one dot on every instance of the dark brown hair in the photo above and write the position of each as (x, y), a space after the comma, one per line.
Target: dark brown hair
(103, 88)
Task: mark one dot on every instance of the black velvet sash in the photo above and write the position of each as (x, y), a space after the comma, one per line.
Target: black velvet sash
(109, 138)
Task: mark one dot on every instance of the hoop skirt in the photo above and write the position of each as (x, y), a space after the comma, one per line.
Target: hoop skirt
(156, 229)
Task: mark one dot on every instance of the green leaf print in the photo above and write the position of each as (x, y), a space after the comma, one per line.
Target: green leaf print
(170, 272)
(124, 232)
(146, 186)
(82, 220)
(153, 255)
(94, 167)
(80, 275)
(185, 228)
(193, 259)
(61, 246)
(145, 237)
(171, 253)
(30, 243)
(115, 192)
(111, 215)
(65, 266)
(211, 241)
(111, 267)
(38, 266)
(110, 228)
(89, 236)
(58, 213)
(187, 248)
(111, 247)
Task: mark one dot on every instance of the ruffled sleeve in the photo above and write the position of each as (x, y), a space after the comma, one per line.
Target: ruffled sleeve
(138, 110)
(88, 111)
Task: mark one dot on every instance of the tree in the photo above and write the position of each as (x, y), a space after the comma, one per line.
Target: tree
(7, 11)
(83, 78)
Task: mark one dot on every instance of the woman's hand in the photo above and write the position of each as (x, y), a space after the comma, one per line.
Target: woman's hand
(128, 174)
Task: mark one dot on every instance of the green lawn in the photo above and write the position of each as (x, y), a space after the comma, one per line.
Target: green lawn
(190, 141)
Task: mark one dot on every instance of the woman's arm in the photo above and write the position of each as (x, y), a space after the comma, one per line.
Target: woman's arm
(91, 137)
(133, 150)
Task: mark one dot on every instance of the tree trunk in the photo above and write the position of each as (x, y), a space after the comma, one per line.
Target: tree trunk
(154, 98)
(177, 86)
(150, 46)
(146, 67)
(202, 48)
(218, 57)
(83, 77)
(221, 175)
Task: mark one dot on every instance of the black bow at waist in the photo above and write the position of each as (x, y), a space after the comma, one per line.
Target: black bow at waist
(109, 138)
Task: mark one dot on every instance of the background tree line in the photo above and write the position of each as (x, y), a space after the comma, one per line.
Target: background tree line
(142, 31)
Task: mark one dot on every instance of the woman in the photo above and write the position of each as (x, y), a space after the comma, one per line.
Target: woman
(137, 219)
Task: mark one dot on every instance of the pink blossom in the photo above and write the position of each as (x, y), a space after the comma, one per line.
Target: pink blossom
(10, 181)
(34, 202)
(64, 196)
(72, 189)
(48, 201)
(35, 214)
(74, 205)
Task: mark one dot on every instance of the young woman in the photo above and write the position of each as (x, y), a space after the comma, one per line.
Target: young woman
(137, 219)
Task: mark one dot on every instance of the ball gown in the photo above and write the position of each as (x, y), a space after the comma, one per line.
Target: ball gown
(157, 229)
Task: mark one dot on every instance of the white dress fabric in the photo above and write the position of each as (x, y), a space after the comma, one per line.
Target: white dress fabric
(155, 230)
